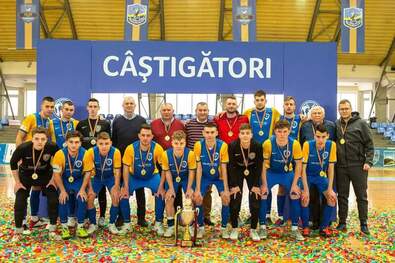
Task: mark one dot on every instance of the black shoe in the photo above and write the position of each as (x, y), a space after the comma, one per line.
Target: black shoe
(119, 222)
(342, 227)
(142, 223)
(208, 222)
(365, 229)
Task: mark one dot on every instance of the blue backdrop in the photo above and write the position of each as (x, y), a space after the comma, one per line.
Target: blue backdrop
(75, 69)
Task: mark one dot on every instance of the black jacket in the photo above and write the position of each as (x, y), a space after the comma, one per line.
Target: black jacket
(358, 148)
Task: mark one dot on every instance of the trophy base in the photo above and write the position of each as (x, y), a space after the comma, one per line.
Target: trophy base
(186, 243)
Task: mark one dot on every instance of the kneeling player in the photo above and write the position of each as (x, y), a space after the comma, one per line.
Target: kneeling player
(212, 158)
(319, 158)
(279, 152)
(179, 166)
(103, 163)
(68, 175)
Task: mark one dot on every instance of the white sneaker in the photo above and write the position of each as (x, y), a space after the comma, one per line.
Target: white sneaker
(91, 229)
(158, 228)
(17, 235)
(52, 235)
(225, 232)
(25, 229)
(234, 235)
(101, 222)
(297, 235)
(200, 232)
(113, 229)
(51, 228)
(169, 231)
(262, 232)
(254, 235)
(126, 228)
(71, 222)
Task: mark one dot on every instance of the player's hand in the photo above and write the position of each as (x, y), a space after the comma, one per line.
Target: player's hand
(226, 197)
(161, 192)
(115, 192)
(189, 193)
(234, 191)
(264, 191)
(63, 197)
(198, 197)
(83, 195)
(17, 186)
(170, 194)
(331, 197)
(295, 191)
(255, 190)
(124, 192)
(366, 167)
(52, 183)
(305, 198)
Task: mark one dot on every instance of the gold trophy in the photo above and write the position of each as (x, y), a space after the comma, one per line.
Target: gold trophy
(185, 217)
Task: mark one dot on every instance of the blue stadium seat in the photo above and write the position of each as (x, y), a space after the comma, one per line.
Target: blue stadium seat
(5, 121)
(374, 125)
(380, 130)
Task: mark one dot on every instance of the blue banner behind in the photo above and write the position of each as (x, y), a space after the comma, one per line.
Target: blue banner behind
(75, 69)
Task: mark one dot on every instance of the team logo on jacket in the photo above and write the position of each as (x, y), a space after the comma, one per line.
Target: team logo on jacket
(78, 163)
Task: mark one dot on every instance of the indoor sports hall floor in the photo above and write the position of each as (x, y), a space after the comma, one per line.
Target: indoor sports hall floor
(143, 246)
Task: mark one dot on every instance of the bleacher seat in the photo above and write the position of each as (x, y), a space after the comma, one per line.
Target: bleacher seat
(374, 125)
(4, 121)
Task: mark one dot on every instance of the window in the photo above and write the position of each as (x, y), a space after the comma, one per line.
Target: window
(30, 101)
(14, 100)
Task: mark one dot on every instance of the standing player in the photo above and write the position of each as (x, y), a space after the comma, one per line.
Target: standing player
(103, 163)
(59, 128)
(279, 153)
(68, 175)
(245, 162)
(140, 171)
(319, 158)
(179, 167)
(212, 158)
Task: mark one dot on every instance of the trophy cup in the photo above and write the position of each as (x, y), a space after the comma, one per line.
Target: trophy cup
(185, 217)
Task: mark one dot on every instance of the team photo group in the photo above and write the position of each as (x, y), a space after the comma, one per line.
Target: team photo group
(63, 165)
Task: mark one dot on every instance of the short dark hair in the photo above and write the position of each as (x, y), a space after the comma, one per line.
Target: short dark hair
(179, 135)
(47, 98)
(321, 128)
(39, 130)
(210, 125)
(103, 136)
(245, 126)
(145, 126)
(93, 100)
(68, 102)
(344, 101)
(73, 134)
(281, 124)
(259, 93)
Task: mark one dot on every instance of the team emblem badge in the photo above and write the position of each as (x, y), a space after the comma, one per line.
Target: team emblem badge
(136, 14)
(353, 17)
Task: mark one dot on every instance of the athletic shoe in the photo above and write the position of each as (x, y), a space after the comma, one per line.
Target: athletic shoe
(158, 228)
(297, 235)
(306, 232)
(200, 232)
(342, 227)
(126, 228)
(269, 220)
(326, 232)
(365, 229)
(82, 232)
(262, 232)
(113, 229)
(25, 230)
(234, 235)
(18, 235)
(279, 222)
(91, 229)
(225, 232)
(36, 222)
(65, 233)
(101, 222)
(169, 231)
(52, 235)
(142, 223)
(254, 235)
(208, 222)
(71, 222)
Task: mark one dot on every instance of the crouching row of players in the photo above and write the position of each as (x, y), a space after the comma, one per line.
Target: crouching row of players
(80, 174)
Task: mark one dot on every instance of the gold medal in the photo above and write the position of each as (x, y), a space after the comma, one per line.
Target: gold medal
(246, 172)
(322, 173)
(212, 171)
(71, 179)
(342, 141)
(93, 142)
(261, 133)
(230, 133)
(167, 138)
(178, 179)
(290, 168)
(36, 164)
(143, 172)
(64, 144)
(34, 176)
(91, 134)
(286, 168)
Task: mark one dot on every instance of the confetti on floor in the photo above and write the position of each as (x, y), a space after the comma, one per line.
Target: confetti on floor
(143, 246)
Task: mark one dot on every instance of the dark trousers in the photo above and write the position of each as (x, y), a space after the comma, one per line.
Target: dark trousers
(21, 204)
(140, 199)
(102, 201)
(235, 204)
(315, 205)
(207, 200)
(359, 179)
